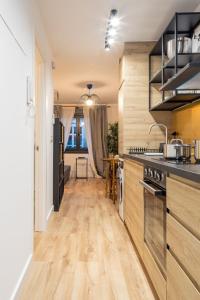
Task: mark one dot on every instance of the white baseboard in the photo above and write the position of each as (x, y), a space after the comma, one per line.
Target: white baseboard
(49, 213)
(21, 278)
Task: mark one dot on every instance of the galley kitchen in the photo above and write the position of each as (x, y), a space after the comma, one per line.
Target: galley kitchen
(104, 108)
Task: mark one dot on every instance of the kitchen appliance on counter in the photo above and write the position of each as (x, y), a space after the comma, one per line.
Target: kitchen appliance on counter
(170, 150)
(154, 185)
(197, 151)
(120, 188)
(174, 150)
(183, 152)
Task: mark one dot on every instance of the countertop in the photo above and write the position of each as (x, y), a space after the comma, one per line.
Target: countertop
(188, 171)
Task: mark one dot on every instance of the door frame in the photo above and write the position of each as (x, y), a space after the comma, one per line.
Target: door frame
(40, 177)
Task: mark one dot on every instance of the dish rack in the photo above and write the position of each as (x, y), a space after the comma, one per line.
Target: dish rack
(142, 150)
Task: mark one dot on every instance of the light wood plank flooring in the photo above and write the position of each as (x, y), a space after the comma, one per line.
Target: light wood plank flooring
(85, 254)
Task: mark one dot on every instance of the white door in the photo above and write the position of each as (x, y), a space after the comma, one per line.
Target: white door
(39, 199)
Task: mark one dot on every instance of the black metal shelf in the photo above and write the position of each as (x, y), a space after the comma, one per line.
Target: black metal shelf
(178, 70)
(184, 75)
(183, 59)
(157, 78)
(186, 23)
(167, 106)
(175, 101)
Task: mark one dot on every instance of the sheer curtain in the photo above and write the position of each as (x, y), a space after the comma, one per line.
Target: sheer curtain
(66, 119)
(89, 141)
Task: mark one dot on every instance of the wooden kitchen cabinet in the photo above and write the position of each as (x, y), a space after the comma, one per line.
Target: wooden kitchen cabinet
(134, 203)
(185, 246)
(159, 282)
(179, 286)
(183, 231)
(183, 200)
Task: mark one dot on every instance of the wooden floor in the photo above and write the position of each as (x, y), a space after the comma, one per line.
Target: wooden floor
(85, 254)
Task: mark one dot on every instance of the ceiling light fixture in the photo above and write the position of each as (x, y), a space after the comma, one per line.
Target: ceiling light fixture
(110, 40)
(114, 20)
(107, 47)
(89, 99)
(111, 31)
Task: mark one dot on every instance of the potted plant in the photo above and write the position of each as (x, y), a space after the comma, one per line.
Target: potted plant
(112, 139)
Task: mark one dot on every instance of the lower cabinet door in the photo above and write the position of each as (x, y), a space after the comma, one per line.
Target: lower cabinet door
(134, 203)
(179, 286)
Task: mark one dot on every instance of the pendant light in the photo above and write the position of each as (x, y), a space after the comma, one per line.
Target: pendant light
(89, 99)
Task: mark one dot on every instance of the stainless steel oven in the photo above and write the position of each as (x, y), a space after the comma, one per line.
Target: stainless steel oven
(154, 184)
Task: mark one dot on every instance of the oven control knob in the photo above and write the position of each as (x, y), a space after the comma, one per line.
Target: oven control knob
(158, 177)
(145, 171)
(151, 173)
(162, 177)
(155, 174)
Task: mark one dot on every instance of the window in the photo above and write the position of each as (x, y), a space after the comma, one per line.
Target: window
(77, 139)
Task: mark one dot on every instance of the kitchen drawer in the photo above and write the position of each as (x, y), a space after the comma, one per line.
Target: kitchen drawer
(185, 247)
(179, 286)
(183, 201)
(156, 276)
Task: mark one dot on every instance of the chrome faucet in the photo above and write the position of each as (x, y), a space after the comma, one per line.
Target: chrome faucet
(160, 125)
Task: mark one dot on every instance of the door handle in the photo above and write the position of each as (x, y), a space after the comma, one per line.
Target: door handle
(150, 187)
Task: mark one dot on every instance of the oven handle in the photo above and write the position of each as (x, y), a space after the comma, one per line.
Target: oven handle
(153, 191)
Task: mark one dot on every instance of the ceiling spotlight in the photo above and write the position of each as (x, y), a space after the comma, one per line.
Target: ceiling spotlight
(107, 47)
(112, 32)
(110, 40)
(113, 13)
(114, 20)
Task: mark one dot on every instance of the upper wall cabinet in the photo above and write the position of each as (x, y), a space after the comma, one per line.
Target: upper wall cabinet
(174, 64)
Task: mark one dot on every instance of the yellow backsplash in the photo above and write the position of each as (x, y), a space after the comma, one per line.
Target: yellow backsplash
(187, 122)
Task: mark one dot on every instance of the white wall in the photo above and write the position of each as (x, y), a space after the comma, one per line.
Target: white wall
(17, 141)
(113, 113)
(70, 158)
(16, 133)
(45, 51)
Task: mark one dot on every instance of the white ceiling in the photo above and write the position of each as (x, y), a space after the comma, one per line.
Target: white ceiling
(76, 32)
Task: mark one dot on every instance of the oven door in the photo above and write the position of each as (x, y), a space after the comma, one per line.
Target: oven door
(155, 223)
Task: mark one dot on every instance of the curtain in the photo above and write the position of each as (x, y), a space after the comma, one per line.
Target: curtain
(99, 131)
(66, 119)
(89, 141)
